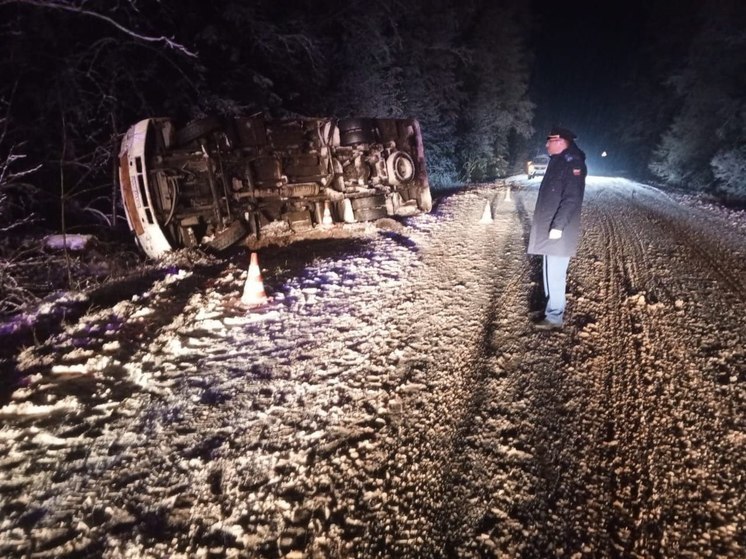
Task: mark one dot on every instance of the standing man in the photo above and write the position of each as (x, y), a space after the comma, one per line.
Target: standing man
(555, 231)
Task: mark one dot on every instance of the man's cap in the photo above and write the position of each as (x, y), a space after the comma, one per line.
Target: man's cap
(564, 133)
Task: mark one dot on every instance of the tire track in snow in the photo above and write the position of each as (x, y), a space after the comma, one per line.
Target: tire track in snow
(654, 396)
(543, 506)
(628, 482)
(618, 475)
(700, 506)
(523, 457)
(486, 438)
(426, 520)
(395, 401)
(523, 403)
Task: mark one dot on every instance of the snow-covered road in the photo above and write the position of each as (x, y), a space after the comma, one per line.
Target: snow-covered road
(394, 400)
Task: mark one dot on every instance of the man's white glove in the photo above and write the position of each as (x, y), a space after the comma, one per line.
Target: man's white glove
(555, 234)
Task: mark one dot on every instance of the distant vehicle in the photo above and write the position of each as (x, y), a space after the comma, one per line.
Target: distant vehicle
(214, 181)
(537, 166)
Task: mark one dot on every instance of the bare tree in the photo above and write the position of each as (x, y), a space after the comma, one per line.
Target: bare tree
(80, 7)
(15, 213)
(10, 177)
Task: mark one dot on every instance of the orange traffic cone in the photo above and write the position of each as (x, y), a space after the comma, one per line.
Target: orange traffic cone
(487, 215)
(253, 290)
(327, 220)
(349, 215)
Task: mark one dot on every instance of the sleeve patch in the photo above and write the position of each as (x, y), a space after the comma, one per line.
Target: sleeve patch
(576, 172)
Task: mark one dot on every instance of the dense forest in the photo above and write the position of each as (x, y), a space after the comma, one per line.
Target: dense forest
(684, 117)
(77, 73)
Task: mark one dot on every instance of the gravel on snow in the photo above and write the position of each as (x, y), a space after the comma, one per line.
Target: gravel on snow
(393, 400)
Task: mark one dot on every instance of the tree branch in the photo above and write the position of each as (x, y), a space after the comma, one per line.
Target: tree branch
(79, 9)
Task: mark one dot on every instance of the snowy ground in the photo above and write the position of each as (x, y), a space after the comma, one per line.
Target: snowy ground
(393, 399)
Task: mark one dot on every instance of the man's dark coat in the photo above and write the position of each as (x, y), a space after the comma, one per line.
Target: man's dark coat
(558, 204)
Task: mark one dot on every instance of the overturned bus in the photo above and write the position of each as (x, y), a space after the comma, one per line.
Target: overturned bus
(216, 180)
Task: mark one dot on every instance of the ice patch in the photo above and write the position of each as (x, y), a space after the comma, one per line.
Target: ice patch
(69, 369)
(45, 438)
(111, 346)
(27, 409)
(215, 325)
(138, 376)
(72, 242)
(143, 312)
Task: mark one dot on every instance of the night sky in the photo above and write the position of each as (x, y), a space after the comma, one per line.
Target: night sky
(585, 52)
